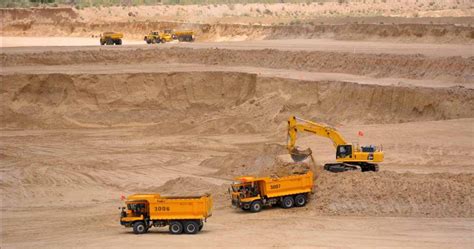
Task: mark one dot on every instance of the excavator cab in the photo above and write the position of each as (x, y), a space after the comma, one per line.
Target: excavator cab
(344, 151)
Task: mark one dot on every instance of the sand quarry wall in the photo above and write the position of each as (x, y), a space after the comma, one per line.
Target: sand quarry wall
(192, 103)
(240, 103)
(451, 69)
(68, 22)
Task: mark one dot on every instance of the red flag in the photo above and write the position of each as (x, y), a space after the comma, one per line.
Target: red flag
(361, 133)
(122, 197)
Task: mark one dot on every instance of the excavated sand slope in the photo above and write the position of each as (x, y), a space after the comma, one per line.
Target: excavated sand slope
(195, 101)
(451, 69)
(67, 22)
(192, 103)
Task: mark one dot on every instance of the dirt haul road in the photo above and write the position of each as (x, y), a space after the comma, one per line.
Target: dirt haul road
(82, 126)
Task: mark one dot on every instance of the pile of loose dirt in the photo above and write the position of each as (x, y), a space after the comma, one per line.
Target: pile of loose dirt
(184, 102)
(383, 193)
(258, 160)
(393, 194)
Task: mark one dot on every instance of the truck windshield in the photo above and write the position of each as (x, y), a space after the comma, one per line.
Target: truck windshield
(247, 189)
(136, 207)
(235, 187)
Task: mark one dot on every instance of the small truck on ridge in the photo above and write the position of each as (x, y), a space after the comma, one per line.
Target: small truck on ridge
(111, 38)
(252, 193)
(183, 214)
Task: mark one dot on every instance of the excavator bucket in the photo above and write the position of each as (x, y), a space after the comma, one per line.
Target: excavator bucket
(300, 155)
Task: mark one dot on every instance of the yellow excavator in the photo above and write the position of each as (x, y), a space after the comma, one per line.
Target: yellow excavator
(348, 156)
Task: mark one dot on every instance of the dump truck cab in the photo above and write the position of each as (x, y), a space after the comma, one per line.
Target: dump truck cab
(253, 193)
(244, 191)
(135, 210)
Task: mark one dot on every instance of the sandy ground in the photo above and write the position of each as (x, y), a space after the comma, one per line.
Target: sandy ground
(53, 41)
(82, 125)
(77, 176)
(22, 44)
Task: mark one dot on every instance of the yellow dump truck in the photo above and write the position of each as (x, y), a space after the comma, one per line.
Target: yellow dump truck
(184, 35)
(111, 38)
(181, 214)
(253, 193)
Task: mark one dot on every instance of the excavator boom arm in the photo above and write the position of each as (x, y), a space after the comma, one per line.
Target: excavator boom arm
(318, 129)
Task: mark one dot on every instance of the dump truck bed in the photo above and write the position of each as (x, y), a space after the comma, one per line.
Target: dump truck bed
(176, 207)
(113, 35)
(288, 185)
(184, 32)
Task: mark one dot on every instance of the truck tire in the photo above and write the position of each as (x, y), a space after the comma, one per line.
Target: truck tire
(201, 226)
(176, 227)
(139, 227)
(256, 206)
(300, 200)
(118, 42)
(287, 202)
(191, 227)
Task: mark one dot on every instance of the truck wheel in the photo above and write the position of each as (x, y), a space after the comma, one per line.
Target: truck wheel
(201, 226)
(245, 209)
(256, 206)
(139, 227)
(191, 227)
(176, 227)
(300, 200)
(118, 42)
(287, 202)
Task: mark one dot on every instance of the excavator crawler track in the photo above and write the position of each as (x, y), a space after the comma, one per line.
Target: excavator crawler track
(340, 167)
